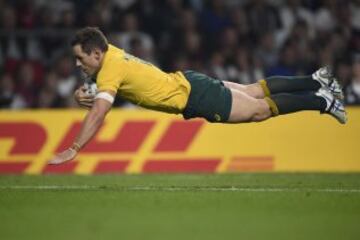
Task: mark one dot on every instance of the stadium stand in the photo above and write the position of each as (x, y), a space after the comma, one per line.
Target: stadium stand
(240, 41)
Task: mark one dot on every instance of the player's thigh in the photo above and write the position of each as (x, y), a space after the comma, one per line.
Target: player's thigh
(253, 90)
(236, 86)
(244, 107)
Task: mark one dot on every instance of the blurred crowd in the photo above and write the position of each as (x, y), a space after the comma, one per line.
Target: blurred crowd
(234, 40)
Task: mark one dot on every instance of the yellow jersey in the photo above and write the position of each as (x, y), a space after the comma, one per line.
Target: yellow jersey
(142, 83)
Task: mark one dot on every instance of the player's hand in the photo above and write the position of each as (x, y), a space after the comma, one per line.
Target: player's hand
(84, 99)
(64, 156)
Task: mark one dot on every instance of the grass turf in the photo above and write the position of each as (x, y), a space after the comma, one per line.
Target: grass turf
(241, 206)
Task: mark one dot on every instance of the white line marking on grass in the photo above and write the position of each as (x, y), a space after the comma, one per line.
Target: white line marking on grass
(237, 189)
(50, 187)
(178, 189)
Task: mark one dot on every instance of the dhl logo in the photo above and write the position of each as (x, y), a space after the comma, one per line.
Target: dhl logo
(150, 142)
(136, 147)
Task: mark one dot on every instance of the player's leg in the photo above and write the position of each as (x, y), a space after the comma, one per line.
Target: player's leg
(275, 85)
(287, 84)
(248, 109)
(211, 99)
(254, 90)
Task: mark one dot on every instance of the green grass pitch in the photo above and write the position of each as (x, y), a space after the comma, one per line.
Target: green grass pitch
(238, 206)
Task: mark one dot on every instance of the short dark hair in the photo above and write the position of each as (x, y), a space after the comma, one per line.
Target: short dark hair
(90, 38)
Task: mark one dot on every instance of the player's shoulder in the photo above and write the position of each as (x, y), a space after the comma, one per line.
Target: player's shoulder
(113, 57)
(112, 64)
(115, 51)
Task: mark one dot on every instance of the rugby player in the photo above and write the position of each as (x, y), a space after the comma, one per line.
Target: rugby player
(189, 93)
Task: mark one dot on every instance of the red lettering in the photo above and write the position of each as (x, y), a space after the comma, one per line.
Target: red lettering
(111, 166)
(181, 165)
(8, 167)
(178, 136)
(64, 168)
(128, 139)
(29, 137)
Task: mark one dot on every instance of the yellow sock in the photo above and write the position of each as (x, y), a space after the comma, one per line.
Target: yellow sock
(273, 107)
(264, 87)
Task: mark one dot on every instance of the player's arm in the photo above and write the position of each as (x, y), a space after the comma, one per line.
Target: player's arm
(93, 121)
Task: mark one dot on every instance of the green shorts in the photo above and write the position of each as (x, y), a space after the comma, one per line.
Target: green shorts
(209, 98)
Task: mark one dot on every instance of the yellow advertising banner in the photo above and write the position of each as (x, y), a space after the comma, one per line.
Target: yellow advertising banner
(141, 141)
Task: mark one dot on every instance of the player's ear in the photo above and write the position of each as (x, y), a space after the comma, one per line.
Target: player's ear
(97, 53)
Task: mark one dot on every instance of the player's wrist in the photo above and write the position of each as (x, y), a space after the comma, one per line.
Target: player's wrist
(76, 147)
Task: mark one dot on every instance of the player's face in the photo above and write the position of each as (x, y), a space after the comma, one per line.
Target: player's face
(89, 63)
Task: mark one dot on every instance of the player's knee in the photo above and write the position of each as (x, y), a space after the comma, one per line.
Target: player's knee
(242, 117)
(259, 117)
(257, 113)
(247, 109)
(261, 113)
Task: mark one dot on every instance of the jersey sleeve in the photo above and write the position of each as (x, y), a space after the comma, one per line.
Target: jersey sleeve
(110, 77)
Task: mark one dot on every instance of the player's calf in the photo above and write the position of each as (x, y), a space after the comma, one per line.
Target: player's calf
(323, 77)
(322, 101)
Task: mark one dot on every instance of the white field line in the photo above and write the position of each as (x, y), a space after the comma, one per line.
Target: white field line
(178, 189)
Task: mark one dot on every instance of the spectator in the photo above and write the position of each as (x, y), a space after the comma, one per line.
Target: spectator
(12, 46)
(287, 64)
(25, 86)
(216, 66)
(214, 20)
(49, 96)
(263, 17)
(246, 70)
(355, 14)
(292, 12)
(239, 21)
(131, 32)
(343, 71)
(266, 51)
(325, 17)
(8, 96)
(67, 79)
(352, 91)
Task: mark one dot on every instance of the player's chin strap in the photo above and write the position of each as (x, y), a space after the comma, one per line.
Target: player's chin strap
(106, 96)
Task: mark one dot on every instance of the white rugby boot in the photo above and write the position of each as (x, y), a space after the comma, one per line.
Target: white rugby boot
(334, 106)
(326, 78)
